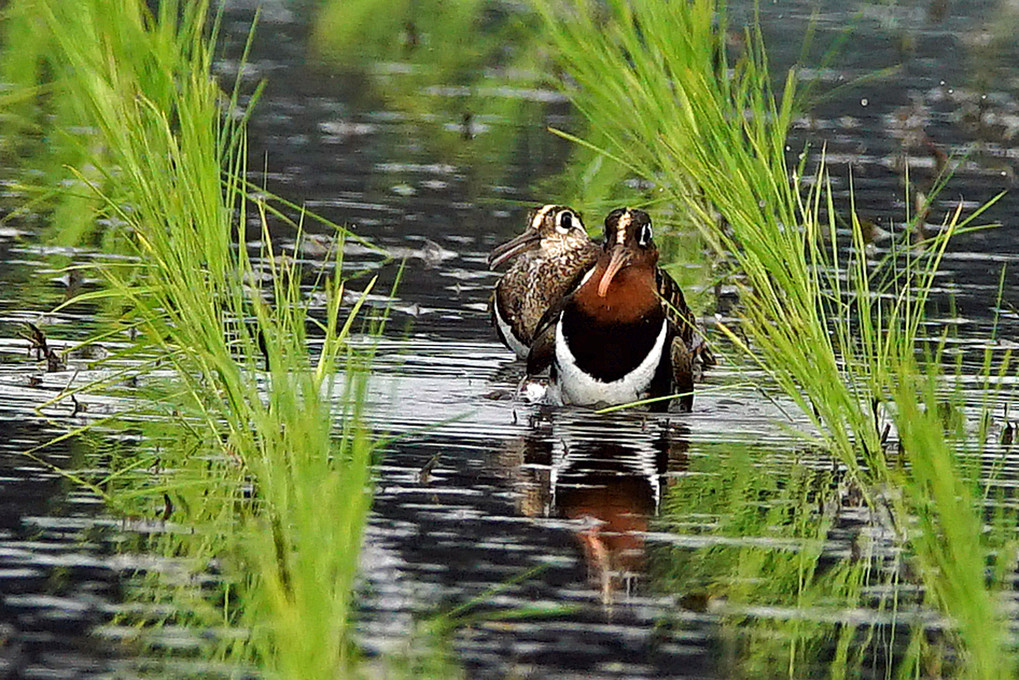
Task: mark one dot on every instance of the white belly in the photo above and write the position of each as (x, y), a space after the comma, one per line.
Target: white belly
(507, 332)
(576, 387)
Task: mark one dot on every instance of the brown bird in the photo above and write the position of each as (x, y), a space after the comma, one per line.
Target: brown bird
(623, 332)
(549, 254)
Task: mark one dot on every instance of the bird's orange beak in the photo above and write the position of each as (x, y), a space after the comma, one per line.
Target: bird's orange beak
(619, 259)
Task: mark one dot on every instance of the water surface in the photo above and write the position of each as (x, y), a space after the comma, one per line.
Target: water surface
(626, 532)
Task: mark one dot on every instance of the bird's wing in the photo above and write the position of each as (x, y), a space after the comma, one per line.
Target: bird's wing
(543, 343)
(682, 318)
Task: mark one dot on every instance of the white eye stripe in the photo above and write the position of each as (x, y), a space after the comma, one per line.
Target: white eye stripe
(646, 234)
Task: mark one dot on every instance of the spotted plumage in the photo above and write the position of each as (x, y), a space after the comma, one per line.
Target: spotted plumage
(547, 257)
(624, 331)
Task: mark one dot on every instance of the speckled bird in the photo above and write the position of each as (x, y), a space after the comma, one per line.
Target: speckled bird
(623, 332)
(549, 255)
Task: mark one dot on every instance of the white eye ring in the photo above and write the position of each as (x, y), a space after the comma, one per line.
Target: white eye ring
(646, 234)
(564, 222)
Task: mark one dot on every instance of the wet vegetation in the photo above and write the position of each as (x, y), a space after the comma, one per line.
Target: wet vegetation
(835, 332)
(879, 538)
(260, 453)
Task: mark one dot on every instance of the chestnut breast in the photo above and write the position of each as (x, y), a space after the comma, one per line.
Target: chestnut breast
(631, 296)
(610, 336)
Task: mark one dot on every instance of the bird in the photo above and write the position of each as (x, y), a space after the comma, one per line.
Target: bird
(623, 331)
(549, 254)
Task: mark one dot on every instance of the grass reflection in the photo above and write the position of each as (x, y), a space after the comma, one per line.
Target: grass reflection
(779, 548)
(835, 332)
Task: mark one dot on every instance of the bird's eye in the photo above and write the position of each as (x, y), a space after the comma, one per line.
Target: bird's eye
(645, 235)
(565, 222)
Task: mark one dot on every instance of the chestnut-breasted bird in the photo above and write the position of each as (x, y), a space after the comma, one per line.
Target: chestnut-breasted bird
(623, 332)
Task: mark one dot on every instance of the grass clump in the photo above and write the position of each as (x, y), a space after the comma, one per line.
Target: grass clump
(837, 334)
(269, 463)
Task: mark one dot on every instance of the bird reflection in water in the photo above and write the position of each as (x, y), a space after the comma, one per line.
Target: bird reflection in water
(608, 478)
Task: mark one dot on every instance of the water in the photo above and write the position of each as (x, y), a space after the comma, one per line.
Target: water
(617, 530)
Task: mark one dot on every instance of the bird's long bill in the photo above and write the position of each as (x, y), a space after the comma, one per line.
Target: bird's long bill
(507, 251)
(619, 259)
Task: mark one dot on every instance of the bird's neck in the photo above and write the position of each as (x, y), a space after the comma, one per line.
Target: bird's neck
(630, 297)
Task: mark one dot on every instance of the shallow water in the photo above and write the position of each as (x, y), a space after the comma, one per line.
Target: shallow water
(611, 526)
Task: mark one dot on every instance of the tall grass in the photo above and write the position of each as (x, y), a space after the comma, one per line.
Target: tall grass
(271, 467)
(834, 334)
